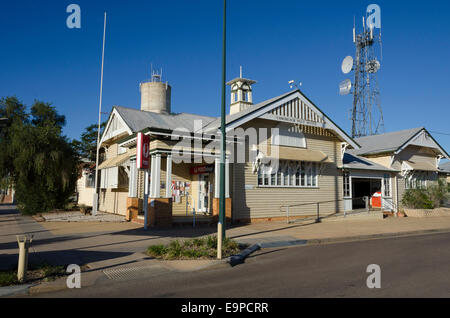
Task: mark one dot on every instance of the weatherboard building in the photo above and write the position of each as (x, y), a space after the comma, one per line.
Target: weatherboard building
(281, 152)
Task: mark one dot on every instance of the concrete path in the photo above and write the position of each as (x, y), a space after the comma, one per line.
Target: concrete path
(328, 231)
(77, 216)
(64, 243)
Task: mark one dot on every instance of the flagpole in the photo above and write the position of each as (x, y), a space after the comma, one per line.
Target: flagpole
(96, 195)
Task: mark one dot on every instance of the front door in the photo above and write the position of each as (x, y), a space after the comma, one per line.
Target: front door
(203, 195)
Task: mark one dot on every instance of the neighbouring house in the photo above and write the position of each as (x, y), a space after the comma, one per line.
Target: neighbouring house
(85, 187)
(281, 151)
(445, 171)
(410, 157)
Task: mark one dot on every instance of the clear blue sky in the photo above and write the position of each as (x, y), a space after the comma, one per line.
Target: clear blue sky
(275, 41)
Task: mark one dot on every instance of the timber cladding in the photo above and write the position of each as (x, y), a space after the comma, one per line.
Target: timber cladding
(253, 202)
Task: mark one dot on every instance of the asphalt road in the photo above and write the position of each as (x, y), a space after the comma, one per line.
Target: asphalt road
(416, 266)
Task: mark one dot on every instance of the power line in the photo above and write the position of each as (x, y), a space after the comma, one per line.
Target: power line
(439, 133)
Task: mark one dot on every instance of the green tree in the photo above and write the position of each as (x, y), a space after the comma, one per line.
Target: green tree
(15, 113)
(86, 148)
(42, 162)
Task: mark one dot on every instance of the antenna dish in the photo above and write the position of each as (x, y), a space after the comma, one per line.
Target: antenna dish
(373, 66)
(345, 87)
(347, 65)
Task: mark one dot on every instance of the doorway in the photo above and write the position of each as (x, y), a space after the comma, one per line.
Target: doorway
(364, 187)
(203, 193)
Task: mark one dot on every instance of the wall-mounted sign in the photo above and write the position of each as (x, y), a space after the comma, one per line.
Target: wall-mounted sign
(202, 169)
(143, 151)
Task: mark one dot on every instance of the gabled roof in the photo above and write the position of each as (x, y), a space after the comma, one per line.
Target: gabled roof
(237, 119)
(215, 125)
(359, 163)
(395, 142)
(445, 167)
(138, 120)
(384, 143)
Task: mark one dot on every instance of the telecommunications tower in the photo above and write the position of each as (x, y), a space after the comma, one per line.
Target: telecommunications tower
(366, 112)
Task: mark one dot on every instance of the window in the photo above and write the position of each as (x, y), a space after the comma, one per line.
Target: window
(109, 178)
(347, 184)
(416, 180)
(290, 174)
(90, 180)
(387, 185)
(303, 174)
(308, 175)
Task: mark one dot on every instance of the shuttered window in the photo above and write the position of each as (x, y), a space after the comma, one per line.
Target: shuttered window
(133, 182)
(109, 178)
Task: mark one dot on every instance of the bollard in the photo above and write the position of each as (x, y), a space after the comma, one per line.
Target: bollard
(24, 243)
(219, 240)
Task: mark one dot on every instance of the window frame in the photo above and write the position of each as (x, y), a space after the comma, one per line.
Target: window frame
(291, 174)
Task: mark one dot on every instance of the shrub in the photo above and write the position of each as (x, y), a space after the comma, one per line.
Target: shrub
(437, 192)
(417, 199)
(429, 198)
(157, 250)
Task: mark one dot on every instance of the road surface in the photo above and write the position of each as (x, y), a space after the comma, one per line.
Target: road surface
(415, 266)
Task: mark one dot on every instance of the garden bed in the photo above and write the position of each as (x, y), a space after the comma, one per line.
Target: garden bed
(198, 248)
(37, 273)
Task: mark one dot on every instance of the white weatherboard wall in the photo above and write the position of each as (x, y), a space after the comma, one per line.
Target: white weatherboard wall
(85, 194)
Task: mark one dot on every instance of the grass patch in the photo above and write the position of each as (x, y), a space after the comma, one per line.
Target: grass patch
(40, 272)
(8, 278)
(197, 248)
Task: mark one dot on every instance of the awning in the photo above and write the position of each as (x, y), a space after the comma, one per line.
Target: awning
(117, 161)
(296, 154)
(420, 166)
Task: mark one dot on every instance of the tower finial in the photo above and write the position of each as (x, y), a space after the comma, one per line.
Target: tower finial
(241, 72)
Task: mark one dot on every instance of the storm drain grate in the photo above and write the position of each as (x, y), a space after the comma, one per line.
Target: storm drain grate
(129, 273)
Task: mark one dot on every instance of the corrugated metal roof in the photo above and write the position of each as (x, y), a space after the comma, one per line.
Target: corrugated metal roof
(354, 162)
(388, 142)
(445, 167)
(139, 120)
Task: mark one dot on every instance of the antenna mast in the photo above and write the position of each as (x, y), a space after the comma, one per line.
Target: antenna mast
(366, 113)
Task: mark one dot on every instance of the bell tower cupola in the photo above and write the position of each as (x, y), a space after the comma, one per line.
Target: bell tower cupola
(241, 94)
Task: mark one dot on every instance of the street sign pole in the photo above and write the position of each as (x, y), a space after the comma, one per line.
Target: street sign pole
(146, 200)
(143, 163)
